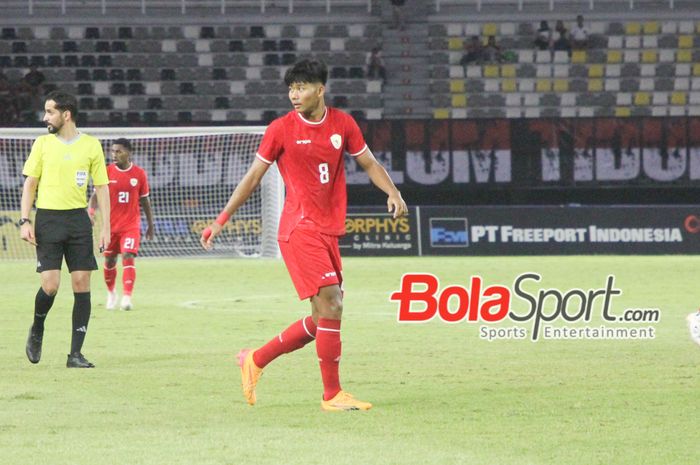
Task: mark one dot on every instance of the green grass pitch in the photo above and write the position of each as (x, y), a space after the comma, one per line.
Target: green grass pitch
(166, 388)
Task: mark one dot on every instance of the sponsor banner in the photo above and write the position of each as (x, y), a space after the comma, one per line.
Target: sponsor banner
(371, 231)
(550, 230)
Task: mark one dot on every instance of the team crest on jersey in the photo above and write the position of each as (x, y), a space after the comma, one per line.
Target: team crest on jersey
(336, 140)
(133, 182)
(81, 178)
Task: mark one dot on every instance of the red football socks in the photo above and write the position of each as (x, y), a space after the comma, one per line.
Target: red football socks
(328, 347)
(128, 275)
(110, 277)
(296, 336)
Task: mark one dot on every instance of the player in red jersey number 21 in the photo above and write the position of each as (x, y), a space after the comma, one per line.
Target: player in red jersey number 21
(128, 193)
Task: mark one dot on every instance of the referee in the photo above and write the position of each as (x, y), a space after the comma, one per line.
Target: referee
(60, 165)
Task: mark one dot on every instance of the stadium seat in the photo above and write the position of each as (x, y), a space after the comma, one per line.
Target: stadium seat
(69, 46)
(133, 74)
(125, 32)
(104, 103)
(102, 46)
(257, 32)
(578, 56)
(86, 103)
(679, 98)
(54, 61)
(118, 88)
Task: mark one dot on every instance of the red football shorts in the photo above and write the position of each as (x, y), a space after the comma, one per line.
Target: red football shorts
(124, 242)
(313, 261)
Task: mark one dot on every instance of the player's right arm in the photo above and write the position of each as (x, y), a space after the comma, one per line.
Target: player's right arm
(26, 231)
(241, 193)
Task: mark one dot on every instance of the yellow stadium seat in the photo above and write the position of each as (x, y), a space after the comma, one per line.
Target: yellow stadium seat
(561, 85)
(455, 43)
(578, 56)
(684, 56)
(543, 85)
(651, 27)
(679, 98)
(649, 56)
(441, 113)
(696, 69)
(508, 71)
(596, 71)
(614, 56)
(595, 85)
(457, 86)
(509, 85)
(491, 71)
(685, 41)
(642, 98)
(459, 100)
(490, 29)
(633, 29)
(622, 112)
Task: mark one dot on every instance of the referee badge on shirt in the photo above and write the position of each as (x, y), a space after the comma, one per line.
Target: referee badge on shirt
(81, 178)
(133, 182)
(336, 140)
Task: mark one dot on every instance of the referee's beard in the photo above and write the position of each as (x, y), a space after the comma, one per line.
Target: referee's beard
(53, 129)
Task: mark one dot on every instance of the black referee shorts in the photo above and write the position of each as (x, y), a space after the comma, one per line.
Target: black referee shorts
(64, 233)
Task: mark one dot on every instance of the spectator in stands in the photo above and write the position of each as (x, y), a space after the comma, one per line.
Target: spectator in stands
(32, 82)
(473, 52)
(8, 111)
(375, 64)
(579, 35)
(398, 19)
(492, 51)
(561, 38)
(35, 78)
(543, 38)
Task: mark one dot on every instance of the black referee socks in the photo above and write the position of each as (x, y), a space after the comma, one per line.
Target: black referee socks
(81, 317)
(42, 305)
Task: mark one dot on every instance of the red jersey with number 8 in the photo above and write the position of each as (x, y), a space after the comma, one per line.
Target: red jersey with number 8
(126, 188)
(309, 155)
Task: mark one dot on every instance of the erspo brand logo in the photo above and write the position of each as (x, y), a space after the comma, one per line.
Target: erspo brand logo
(692, 224)
(420, 300)
(449, 232)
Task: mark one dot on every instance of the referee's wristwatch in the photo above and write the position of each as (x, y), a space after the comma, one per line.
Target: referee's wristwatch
(24, 220)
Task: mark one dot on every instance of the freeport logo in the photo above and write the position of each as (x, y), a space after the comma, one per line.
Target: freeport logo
(449, 232)
(421, 300)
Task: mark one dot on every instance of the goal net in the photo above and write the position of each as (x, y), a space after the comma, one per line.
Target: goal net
(191, 172)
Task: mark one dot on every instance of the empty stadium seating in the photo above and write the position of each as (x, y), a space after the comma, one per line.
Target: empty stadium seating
(198, 70)
(630, 68)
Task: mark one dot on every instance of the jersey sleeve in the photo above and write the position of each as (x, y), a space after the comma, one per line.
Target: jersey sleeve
(98, 169)
(144, 190)
(272, 144)
(354, 141)
(35, 162)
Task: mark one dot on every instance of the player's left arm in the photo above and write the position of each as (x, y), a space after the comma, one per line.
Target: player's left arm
(146, 207)
(102, 194)
(378, 175)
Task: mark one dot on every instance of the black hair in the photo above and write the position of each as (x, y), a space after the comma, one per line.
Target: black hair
(307, 70)
(123, 142)
(64, 102)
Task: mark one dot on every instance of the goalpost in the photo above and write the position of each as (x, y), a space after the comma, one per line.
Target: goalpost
(192, 172)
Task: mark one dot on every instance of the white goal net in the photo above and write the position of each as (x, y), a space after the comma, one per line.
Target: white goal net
(191, 172)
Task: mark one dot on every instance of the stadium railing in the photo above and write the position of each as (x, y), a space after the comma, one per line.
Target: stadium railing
(183, 6)
(554, 4)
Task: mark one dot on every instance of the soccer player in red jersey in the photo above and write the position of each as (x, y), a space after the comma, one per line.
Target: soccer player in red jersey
(128, 192)
(308, 145)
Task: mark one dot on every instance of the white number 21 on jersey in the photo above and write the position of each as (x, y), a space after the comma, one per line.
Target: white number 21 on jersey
(123, 197)
(323, 173)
